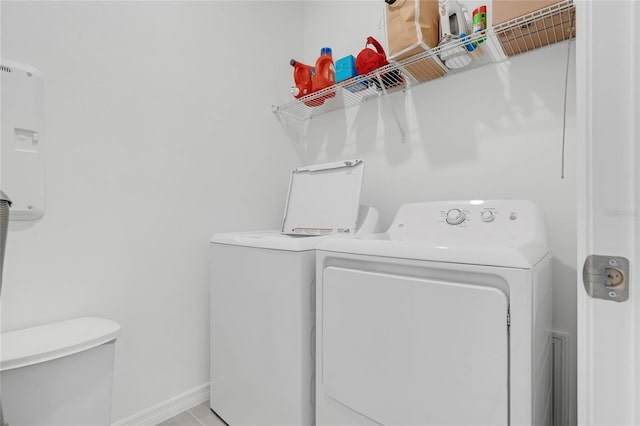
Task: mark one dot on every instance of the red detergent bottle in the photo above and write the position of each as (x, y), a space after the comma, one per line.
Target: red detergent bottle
(302, 78)
(325, 74)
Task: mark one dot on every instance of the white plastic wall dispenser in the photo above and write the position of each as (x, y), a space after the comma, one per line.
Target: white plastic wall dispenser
(22, 172)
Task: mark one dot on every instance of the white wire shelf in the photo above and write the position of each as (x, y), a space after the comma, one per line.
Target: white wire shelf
(543, 27)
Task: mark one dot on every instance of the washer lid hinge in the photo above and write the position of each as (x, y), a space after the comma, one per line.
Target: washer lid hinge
(509, 316)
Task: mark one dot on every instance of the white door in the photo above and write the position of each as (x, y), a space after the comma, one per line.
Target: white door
(608, 58)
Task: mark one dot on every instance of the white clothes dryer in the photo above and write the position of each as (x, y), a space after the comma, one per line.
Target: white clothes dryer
(445, 319)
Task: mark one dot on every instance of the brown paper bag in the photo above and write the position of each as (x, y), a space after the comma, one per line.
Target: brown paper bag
(411, 22)
(413, 28)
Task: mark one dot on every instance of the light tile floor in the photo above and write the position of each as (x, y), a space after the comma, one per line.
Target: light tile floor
(200, 415)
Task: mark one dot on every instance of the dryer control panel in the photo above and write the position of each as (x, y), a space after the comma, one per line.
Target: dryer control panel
(510, 222)
(460, 215)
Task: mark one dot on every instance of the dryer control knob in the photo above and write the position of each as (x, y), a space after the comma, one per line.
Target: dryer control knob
(455, 217)
(487, 216)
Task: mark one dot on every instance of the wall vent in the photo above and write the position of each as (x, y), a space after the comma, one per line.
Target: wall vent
(560, 380)
(5, 68)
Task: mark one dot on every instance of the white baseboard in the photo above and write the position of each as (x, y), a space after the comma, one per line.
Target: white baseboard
(167, 409)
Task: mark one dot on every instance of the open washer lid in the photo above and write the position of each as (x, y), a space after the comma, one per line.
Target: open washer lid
(323, 199)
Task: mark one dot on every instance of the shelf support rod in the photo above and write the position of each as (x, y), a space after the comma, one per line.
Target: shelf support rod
(296, 142)
(393, 110)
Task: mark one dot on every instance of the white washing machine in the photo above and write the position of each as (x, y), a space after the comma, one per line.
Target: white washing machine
(262, 288)
(445, 319)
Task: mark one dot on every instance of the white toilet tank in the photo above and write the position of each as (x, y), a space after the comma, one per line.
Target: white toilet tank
(58, 374)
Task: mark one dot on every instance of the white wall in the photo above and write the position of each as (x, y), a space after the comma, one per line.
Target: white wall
(154, 112)
(159, 133)
(492, 132)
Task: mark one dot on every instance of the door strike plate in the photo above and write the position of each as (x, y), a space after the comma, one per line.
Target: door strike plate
(606, 277)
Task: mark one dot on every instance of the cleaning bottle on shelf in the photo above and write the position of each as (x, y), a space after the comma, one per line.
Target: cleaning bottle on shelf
(302, 77)
(325, 74)
(480, 22)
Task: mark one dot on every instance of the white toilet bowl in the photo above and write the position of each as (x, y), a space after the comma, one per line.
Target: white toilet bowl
(58, 374)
